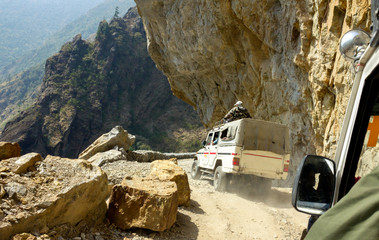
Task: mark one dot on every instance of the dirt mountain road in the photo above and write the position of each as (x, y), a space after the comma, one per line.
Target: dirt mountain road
(243, 215)
(224, 215)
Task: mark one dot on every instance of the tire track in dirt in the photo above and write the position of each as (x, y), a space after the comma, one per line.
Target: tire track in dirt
(243, 215)
(240, 215)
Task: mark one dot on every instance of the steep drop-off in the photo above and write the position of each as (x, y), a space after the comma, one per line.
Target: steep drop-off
(86, 24)
(279, 57)
(27, 24)
(89, 87)
(19, 87)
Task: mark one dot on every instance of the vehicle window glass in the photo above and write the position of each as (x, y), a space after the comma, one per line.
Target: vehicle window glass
(209, 139)
(232, 133)
(369, 157)
(215, 138)
(229, 133)
(224, 134)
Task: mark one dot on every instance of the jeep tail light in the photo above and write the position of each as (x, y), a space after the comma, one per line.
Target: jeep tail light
(285, 169)
(236, 161)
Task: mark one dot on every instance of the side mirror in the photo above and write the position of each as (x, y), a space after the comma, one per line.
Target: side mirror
(204, 142)
(353, 44)
(313, 188)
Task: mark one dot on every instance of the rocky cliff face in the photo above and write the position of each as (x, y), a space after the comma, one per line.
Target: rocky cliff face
(279, 57)
(90, 87)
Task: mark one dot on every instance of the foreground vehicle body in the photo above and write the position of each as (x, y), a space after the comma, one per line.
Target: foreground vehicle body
(357, 150)
(244, 150)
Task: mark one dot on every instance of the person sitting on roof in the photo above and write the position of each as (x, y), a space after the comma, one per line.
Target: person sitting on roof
(237, 112)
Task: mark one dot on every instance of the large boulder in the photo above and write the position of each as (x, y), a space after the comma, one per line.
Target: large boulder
(143, 203)
(56, 191)
(9, 150)
(168, 170)
(116, 137)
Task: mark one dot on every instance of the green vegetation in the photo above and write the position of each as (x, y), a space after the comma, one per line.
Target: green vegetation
(102, 31)
(19, 93)
(116, 12)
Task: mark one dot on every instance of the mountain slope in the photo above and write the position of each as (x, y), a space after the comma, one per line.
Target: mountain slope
(88, 88)
(19, 93)
(86, 24)
(25, 24)
(12, 97)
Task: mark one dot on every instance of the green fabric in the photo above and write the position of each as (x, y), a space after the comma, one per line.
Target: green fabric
(355, 216)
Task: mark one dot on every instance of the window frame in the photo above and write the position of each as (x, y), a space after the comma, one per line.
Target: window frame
(366, 103)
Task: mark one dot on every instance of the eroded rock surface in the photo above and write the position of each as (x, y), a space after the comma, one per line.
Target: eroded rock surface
(9, 150)
(168, 170)
(58, 191)
(21, 164)
(101, 158)
(143, 203)
(279, 57)
(116, 137)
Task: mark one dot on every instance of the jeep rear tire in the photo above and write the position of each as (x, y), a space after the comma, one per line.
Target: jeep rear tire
(195, 170)
(220, 180)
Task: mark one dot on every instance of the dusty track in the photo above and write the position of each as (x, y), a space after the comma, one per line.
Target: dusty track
(243, 215)
(216, 215)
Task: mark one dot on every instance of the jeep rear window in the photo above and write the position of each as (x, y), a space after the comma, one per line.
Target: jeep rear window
(224, 134)
(229, 133)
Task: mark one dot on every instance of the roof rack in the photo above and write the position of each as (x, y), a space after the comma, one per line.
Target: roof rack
(219, 123)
